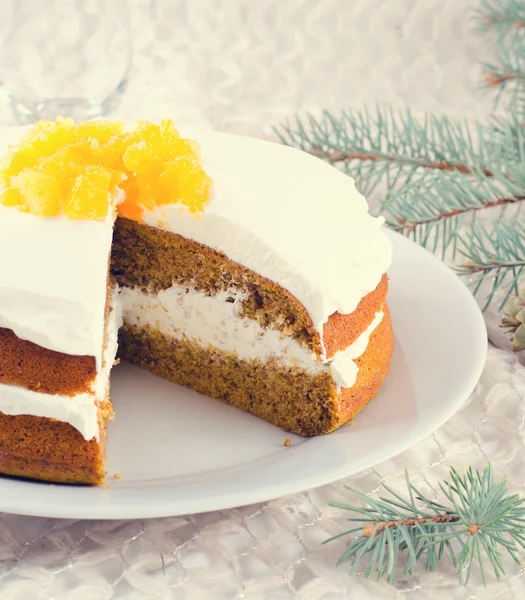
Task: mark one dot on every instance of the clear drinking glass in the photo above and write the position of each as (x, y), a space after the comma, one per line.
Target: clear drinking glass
(63, 57)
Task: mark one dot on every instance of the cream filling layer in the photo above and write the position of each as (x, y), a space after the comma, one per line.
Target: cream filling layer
(181, 312)
(81, 410)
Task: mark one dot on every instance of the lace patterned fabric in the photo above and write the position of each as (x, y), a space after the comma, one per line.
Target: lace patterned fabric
(243, 66)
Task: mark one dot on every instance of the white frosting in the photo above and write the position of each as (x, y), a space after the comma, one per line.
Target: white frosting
(53, 275)
(81, 410)
(290, 217)
(207, 320)
(278, 211)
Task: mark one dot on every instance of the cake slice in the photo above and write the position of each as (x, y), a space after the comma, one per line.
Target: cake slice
(59, 316)
(246, 270)
(58, 337)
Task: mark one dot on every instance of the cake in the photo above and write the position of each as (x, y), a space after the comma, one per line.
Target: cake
(247, 270)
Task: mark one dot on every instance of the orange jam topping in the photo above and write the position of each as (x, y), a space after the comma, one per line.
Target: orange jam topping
(62, 168)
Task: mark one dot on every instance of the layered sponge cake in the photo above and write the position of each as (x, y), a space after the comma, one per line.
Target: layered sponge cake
(246, 270)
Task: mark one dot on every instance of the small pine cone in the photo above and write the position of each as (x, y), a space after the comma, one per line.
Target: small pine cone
(514, 320)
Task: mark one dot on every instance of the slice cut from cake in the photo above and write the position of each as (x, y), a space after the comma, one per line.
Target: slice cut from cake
(58, 337)
(59, 316)
(246, 270)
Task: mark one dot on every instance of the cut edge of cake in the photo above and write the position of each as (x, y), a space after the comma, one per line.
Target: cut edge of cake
(229, 333)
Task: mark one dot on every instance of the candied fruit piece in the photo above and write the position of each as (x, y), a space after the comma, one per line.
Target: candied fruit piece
(162, 141)
(195, 148)
(99, 130)
(52, 165)
(142, 159)
(168, 128)
(16, 159)
(113, 153)
(193, 183)
(89, 196)
(11, 197)
(49, 136)
(130, 188)
(78, 167)
(167, 187)
(129, 209)
(40, 192)
(88, 150)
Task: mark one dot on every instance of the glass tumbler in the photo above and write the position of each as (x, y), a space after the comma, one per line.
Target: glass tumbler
(63, 57)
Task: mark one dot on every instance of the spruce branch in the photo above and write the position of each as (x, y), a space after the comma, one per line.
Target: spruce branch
(504, 20)
(433, 212)
(383, 145)
(495, 255)
(507, 73)
(480, 524)
(502, 17)
(509, 135)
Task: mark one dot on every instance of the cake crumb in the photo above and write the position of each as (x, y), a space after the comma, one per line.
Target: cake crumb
(116, 362)
(350, 423)
(116, 476)
(287, 442)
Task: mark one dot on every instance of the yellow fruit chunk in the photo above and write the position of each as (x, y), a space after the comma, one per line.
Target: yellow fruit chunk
(99, 130)
(167, 128)
(113, 151)
(161, 141)
(130, 210)
(192, 182)
(40, 192)
(78, 168)
(11, 197)
(167, 188)
(49, 136)
(142, 159)
(89, 196)
(17, 159)
(88, 150)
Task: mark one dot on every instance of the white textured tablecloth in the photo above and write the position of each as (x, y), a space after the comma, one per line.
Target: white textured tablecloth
(244, 66)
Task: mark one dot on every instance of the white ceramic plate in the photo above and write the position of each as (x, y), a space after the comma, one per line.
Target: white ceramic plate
(178, 452)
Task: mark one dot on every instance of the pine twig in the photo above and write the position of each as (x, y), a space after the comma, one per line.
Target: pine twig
(495, 255)
(505, 20)
(480, 523)
(502, 17)
(383, 145)
(432, 212)
(456, 212)
(375, 528)
(508, 74)
(335, 157)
